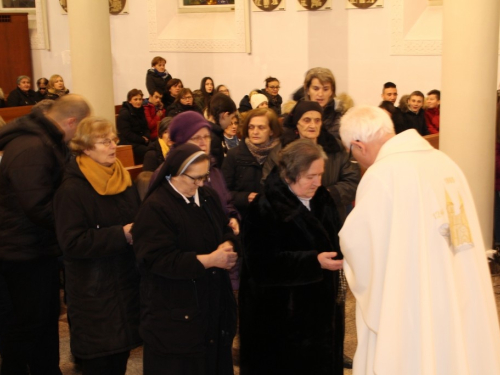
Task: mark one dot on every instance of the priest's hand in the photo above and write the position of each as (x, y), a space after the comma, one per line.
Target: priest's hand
(327, 261)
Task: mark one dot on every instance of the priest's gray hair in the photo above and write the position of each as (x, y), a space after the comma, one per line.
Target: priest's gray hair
(364, 123)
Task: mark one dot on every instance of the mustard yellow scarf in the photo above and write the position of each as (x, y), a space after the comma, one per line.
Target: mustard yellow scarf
(105, 180)
(164, 147)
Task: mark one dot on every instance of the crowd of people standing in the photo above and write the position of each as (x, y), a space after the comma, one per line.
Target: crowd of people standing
(243, 208)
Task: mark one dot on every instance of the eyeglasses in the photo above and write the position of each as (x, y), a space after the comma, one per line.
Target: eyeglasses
(198, 138)
(350, 155)
(107, 142)
(199, 179)
(273, 87)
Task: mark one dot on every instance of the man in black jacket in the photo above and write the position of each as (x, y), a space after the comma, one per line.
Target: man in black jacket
(31, 169)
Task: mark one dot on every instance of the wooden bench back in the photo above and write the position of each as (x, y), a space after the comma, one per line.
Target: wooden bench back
(433, 139)
(125, 154)
(11, 113)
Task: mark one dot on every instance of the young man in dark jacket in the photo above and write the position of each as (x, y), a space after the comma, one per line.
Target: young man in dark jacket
(35, 154)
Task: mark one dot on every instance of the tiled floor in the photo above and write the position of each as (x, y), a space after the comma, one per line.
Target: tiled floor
(135, 361)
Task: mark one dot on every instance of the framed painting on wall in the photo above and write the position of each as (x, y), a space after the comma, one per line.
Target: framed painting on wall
(205, 6)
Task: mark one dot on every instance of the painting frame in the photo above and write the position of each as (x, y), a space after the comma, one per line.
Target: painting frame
(195, 8)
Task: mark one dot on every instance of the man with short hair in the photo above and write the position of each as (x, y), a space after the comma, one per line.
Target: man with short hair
(414, 258)
(35, 154)
(390, 92)
(154, 112)
(414, 117)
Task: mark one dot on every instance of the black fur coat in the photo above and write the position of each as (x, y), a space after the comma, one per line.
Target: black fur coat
(289, 321)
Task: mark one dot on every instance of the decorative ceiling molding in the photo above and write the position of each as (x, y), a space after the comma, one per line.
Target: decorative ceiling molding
(401, 46)
(236, 43)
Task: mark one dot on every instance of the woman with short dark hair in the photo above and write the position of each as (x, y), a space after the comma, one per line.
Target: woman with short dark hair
(184, 101)
(223, 111)
(157, 76)
(272, 92)
(23, 94)
(133, 126)
(174, 86)
(341, 176)
(242, 167)
(290, 322)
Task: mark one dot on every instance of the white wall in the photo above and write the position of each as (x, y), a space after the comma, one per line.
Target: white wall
(355, 44)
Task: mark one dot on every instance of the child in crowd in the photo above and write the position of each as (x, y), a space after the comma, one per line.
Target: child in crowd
(432, 111)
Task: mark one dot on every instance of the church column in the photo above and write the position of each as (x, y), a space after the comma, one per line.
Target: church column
(468, 97)
(91, 63)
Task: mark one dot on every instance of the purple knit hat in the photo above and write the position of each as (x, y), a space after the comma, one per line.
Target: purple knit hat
(185, 125)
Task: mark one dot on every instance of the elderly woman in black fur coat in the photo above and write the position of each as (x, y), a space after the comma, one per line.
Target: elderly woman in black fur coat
(290, 322)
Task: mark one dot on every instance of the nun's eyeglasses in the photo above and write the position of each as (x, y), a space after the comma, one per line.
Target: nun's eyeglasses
(199, 179)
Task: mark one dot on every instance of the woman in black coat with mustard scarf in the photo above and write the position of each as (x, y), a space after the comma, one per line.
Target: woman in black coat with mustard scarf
(94, 210)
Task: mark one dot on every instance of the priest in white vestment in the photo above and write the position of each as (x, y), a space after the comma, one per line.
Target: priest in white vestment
(415, 258)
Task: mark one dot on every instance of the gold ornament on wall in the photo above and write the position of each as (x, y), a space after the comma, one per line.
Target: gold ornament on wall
(115, 6)
(364, 4)
(314, 4)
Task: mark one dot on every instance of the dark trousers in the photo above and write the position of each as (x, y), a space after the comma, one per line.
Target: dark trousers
(155, 364)
(31, 338)
(114, 364)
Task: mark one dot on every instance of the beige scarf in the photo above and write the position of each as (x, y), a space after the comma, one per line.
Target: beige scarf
(105, 180)
(260, 152)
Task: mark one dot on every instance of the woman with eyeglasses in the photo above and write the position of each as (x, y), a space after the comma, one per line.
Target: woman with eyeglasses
(94, 212)
(271, 91)
(184, 248)
(191, 127)
(183, 102)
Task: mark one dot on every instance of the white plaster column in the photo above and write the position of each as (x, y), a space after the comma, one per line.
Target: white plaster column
(91, 64)
(468, 97)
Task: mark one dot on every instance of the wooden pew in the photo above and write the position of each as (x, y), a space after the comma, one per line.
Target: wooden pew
(125, 154)
(11, 113)
(433, 139)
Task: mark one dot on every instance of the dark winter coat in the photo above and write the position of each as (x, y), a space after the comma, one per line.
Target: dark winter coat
(153, 157)
(289, 321)
(217, 144)
(102, 280)
(177, 107)
(416, 121)
(341, 177)
(274, 102)
(154, 82)
(245, 105)
(186, 310)
(30, 172)
(132, 125)
(18, 98)
(243, 175)
(331, 118)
